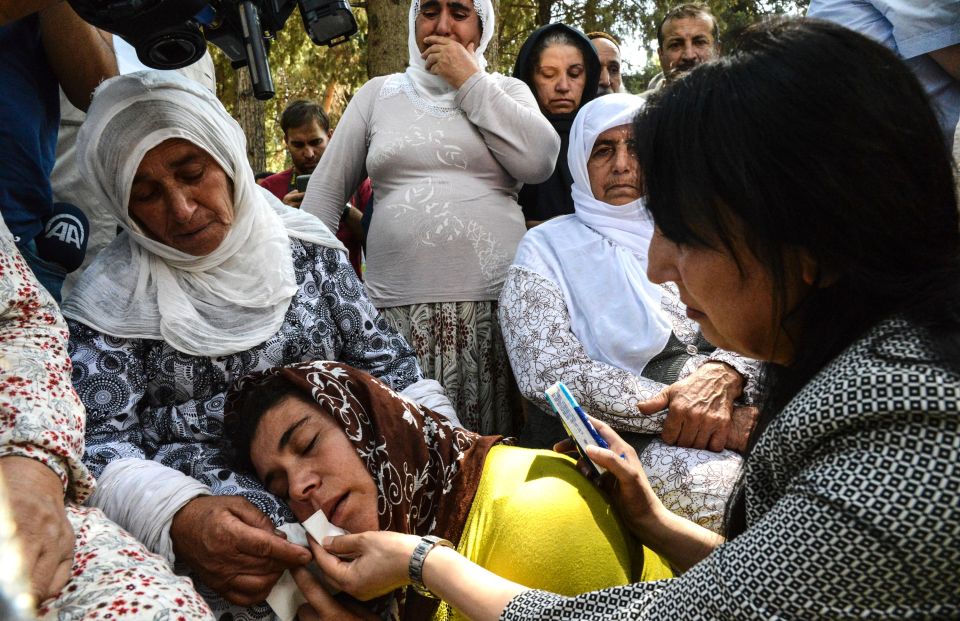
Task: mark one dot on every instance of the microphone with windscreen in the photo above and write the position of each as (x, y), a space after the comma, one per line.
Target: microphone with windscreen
(64, 237)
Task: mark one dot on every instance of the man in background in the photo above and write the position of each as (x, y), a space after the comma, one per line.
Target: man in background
(687, 36)
(306, 132)
(608, 49)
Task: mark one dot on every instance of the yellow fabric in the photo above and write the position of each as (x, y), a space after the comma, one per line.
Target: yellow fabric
(537, 521)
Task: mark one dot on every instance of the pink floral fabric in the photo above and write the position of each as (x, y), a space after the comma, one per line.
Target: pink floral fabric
(40, 414)
(113, 575)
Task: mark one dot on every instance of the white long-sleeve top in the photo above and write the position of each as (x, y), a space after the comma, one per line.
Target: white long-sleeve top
(446, 221)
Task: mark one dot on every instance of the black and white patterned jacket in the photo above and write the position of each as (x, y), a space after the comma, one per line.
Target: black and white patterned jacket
(853, 505)
(145, 399)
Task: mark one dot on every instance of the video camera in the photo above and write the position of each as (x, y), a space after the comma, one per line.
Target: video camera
(169, 34)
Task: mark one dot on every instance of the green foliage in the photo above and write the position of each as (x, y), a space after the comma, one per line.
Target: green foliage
(301, 70)
(628, 20)
(331, 75)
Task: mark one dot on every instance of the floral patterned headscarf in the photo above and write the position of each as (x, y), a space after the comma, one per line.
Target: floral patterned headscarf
(426, 470)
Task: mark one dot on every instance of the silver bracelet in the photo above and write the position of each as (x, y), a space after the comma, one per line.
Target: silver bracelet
(415, 568)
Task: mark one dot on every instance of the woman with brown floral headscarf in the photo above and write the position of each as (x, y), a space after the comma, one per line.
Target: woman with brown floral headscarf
(324, 436)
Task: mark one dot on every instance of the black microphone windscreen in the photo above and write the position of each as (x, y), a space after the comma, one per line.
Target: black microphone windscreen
(64, 237)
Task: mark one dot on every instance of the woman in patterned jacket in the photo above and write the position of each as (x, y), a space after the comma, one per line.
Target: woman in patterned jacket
(211, 278)
(808, 218)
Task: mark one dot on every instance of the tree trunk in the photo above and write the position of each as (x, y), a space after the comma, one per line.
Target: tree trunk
(544, 10)
(328, 94)
(252, 120)
(387, 38)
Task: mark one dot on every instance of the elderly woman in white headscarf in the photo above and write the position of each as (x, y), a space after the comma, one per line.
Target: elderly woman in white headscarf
(211, 278)
(578, 307)
(447, 147)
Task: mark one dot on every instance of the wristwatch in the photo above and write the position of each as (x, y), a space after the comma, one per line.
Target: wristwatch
(415, 568)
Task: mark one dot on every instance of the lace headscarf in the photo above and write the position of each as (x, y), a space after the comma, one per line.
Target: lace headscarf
(225, 302)
(433, 90)
(426, 470)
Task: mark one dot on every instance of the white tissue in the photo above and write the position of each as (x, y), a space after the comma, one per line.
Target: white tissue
(319, 527)
(285, 598)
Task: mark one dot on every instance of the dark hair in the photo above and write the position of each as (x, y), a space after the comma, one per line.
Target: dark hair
(558, 34)
(692, 9)
(248, 410)
(300, 112)
(263, 175)
(813, 137)
(603, 35)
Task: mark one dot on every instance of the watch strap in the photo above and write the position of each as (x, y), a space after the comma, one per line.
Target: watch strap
(415, 568)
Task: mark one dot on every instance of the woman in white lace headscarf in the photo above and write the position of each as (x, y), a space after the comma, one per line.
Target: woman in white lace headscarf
(578, 307)
(447, 146)
(211, 278)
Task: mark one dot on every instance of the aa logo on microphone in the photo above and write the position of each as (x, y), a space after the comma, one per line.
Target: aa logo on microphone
(67, 228)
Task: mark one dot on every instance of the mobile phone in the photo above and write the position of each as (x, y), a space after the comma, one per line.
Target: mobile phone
(302, 181)
(576, 423)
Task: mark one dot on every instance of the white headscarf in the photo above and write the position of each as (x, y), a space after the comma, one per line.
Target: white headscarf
(615, 311)
(225, 302)
(629, 225)
(433, 88)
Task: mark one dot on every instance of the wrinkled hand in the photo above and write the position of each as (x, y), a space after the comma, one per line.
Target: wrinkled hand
(46, 538)
(366, 565)
(701, 412)
(450, 60)
(293, 199)
(233, 547)
(321, 606)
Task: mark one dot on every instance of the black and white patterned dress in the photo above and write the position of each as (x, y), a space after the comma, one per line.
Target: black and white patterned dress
(146, 400)
(853, 505)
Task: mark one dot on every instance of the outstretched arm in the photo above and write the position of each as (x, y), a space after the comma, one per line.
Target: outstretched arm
(81, 56)
(11, 10)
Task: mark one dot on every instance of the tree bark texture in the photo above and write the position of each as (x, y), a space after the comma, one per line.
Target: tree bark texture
(252, 120)
(387, 38)
(544, 11)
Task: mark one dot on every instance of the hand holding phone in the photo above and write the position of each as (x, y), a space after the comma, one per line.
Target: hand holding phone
(302, 181)
(575, 421)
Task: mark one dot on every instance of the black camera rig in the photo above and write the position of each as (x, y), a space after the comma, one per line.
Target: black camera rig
(169, 34)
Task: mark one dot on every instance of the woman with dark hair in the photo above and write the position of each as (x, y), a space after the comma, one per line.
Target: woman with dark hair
(808, 219)
(562, 68)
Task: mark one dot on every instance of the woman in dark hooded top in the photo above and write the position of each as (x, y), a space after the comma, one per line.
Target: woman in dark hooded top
(562, 68)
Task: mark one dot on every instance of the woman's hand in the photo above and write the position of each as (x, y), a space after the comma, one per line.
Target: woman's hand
(626, 482)
(682, 542)
(366, 565)
(35, 498)
(322, 606)
(450, 60)
(232, 546)
(701, 411)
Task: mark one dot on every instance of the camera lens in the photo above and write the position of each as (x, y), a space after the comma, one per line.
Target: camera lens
(173, 48)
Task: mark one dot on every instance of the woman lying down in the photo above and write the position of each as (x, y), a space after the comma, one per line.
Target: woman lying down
(325, 436)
